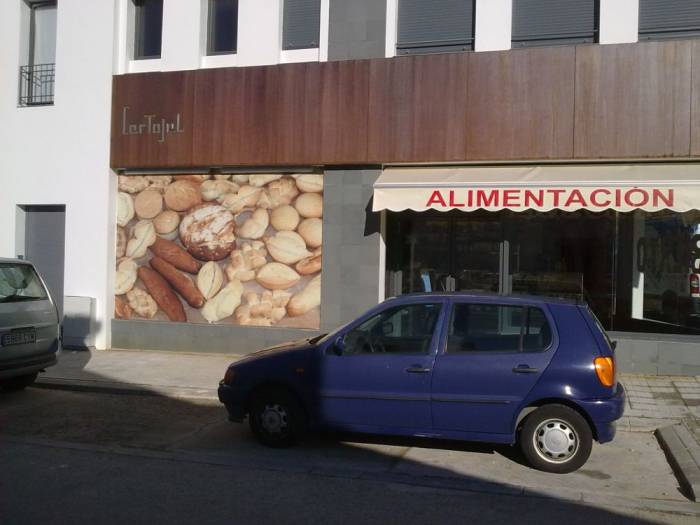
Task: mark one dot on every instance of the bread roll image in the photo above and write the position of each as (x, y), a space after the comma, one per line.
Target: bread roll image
(210, 279)
(276, 276)
(246, 260)
(143, 235)
(126, 275)
(245, 197)
(306, 300)
(175, 255)
(132, 183)
(286, 247)
(224, 303)
(311, 231)
(241, 180)
(162, 293)
(196, 178)
(159, 182)
(259, 180)
(120, 248)
(141, 303)
(309, 205)
(310, 183)
(148, 204)
(282, 191)
(125, 208)
(222, 177)
(122, 310)
(166, 224)
(214, 189)
(254, 226)
(181, 282)
(309, 265)
(284, 218)
(208, 232)
(182, 195)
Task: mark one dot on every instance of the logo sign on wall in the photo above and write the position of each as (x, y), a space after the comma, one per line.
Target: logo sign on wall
(151, 124)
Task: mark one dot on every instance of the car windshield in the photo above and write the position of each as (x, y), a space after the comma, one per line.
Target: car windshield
(19, 282)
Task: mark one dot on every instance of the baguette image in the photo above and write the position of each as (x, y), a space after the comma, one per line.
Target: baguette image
(163, 294)
(178, 280)
(175, 255)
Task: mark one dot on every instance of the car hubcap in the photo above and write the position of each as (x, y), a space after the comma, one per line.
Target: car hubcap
(555, 441)
(274, 419)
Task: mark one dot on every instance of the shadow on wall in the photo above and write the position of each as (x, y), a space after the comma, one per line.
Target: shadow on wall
(79, 322)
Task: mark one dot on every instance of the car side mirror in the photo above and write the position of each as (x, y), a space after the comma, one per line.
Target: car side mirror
(339, 345)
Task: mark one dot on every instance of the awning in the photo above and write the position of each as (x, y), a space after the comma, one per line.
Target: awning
(650, 187)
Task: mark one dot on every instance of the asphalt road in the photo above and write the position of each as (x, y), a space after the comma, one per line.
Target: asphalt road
(80, 457)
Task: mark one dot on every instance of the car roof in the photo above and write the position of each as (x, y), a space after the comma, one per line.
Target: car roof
(491, 297)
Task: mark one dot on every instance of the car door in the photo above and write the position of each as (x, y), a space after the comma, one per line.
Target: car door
(491, 356)
(377, 374)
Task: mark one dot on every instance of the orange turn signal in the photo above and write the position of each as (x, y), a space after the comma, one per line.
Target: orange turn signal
(605, 370)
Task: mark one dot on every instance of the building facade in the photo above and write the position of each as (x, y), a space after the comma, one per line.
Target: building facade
(219, 175)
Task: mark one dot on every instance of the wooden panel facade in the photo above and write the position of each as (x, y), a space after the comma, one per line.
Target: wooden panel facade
(563, 103)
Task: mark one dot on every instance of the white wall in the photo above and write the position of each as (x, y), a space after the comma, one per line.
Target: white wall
(619, 21)
(60, 154)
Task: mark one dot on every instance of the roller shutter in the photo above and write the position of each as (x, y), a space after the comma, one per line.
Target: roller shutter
(435, 26)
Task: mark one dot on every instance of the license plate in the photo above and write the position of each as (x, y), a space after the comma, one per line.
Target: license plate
(19, 338)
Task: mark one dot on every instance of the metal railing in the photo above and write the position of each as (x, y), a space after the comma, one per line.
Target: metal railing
(36, 84)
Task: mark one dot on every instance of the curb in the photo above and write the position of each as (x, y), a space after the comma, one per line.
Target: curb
(683, 454)
(106, 387)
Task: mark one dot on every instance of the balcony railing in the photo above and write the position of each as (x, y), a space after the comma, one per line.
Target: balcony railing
(36, 84)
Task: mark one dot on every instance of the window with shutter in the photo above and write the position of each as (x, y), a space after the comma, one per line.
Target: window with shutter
(554, 22)
(668, 19)
(435, 27)
(301, 24)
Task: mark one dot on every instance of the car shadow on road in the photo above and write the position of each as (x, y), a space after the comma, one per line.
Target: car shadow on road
(196, 430)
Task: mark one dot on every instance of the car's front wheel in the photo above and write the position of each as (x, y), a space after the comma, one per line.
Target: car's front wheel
(13, 384)
(276, 418)
(556, 438)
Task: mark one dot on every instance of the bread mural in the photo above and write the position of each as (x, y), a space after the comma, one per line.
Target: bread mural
(237, 249)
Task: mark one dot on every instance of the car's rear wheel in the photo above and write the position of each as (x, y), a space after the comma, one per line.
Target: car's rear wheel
(13, 384)
(276, 418)
(556, 438)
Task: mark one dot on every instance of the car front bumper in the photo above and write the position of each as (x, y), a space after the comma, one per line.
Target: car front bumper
(605, 412)
(234, 401)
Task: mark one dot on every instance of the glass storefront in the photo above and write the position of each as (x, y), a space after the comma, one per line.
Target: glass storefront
(637, 270)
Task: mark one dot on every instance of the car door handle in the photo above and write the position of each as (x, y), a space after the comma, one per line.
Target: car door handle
(524, 369)
(417, 369)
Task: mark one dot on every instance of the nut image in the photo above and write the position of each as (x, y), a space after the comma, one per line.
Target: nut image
(259, 180)
(224, 303)
(132, 183)
(125, 277)
(214, 189)
(286, 247)
(141, 303)
(277, 276)
(208, 232)
(148, 204)
(125, 208)
(143, 234)
(309, 265)
(122, 310)
(306, 300)
(245, 197)
(159, 182)
(310, 183)
(254, 227)
(121, 242)
(182, 195)
(311, 230)
(209, 279)
(309, 205)
(166, 224)
(245, 261)
(284, 217)
(282, 191)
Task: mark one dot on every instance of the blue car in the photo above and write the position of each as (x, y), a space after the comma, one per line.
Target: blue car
(535, 371)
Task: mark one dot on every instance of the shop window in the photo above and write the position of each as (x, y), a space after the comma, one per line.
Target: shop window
(222, 27)
(148, 28)
(37, 74)
(301, 24)
(554, 22)
(435, 27)
(660, 19)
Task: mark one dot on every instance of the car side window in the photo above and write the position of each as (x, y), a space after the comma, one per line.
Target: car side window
(497, 328)
(405, 329)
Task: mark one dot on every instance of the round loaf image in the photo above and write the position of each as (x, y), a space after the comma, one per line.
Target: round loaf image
(208, 232)
(182, 195)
